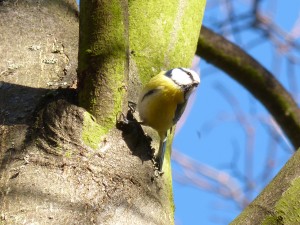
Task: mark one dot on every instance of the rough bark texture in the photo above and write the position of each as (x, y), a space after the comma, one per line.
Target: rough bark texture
(57, 179)
(37, 55)
(260, 82)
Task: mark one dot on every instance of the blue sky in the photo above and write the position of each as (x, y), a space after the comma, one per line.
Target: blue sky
(225, 142)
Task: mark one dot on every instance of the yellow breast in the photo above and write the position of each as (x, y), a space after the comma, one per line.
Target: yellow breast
(158, 102)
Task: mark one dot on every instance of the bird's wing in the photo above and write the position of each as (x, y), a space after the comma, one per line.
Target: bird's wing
(179, 110)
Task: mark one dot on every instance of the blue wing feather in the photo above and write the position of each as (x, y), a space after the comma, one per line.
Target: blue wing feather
(179, 111)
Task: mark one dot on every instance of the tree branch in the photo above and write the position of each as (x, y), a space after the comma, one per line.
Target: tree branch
(253, 76)
(279, 201)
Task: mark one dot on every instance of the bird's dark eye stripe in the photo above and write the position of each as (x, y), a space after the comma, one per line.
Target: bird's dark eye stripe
(168, 73)
(188, 73)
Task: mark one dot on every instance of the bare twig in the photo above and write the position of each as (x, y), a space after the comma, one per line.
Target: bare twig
(209, 178)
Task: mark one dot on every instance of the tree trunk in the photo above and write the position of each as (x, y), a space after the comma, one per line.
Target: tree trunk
(122, 45)
(59, 163)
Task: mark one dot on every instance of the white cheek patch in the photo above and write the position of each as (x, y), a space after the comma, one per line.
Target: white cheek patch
(180, 76)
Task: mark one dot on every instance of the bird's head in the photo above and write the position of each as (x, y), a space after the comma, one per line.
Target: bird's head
(186, 79)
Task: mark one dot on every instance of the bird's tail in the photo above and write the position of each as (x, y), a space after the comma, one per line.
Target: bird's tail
(161, 153)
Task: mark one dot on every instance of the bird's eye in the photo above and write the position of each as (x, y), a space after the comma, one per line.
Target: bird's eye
(189, 73)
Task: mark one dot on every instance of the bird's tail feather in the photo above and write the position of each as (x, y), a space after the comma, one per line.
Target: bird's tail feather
(161, 153)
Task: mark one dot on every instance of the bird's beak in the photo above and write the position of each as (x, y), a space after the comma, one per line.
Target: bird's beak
(195, 84)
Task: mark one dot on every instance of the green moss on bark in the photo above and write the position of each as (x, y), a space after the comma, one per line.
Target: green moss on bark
(92, 132)
(163, 36)
(168, 172)
(272, 220)
(288, 206)
(102, 60)
(124, 44)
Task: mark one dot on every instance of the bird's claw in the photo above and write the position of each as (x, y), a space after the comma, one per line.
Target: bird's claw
(121, 118)
(132, 106)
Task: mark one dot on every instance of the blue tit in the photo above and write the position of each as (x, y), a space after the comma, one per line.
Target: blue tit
(163, 100)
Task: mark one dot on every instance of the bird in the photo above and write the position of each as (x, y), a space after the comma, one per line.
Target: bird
(163, 100)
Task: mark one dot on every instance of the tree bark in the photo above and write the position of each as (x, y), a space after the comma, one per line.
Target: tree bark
(278, 203)
(59, 163)
(121, 46)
